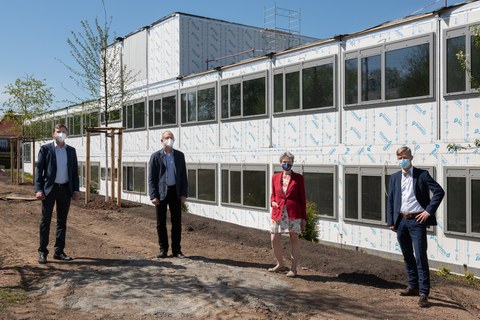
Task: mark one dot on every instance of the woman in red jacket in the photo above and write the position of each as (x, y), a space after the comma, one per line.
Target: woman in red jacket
(289, 212)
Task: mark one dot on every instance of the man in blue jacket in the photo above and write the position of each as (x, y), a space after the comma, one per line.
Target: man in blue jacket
(168, 185)
(409, 211)
(56, 182)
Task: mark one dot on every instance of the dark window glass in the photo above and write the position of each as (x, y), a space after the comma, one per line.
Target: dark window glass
(169, 106)
(225, 185)
(94, 176)
(157, 113)
(475, 57)
(292, 90)
(407, 72)
(254, 100)
(139, 179)
(192, 183)
(191, 106)
(235, 187)
(371, 78)
(225, 101)
(456, 204)
(475, 191)
(351, 196)
(77, 123)
(151, 113)
(235, 100)
(351, 81)
(128, 178)
(139, 115)
(278, 92)
(317, 86)
(183, 107)
(319, 188)
(455, 73)
(372, 198)
(254, 193)
(129, 114)
(206, 104)
(206, 184)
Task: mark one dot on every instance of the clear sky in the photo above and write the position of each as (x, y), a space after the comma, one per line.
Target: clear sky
(33, 33)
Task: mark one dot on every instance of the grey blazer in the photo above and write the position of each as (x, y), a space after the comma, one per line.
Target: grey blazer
(46, 169)
(157, 175)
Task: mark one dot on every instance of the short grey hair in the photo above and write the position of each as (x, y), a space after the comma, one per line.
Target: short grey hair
(288, 155)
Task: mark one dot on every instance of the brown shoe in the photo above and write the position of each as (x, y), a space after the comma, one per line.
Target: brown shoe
(409, 292)
(423, 301)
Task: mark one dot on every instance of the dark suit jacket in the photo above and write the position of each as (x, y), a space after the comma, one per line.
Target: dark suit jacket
(423, 184)
(294, 198)
(157, 175)
(46, 169)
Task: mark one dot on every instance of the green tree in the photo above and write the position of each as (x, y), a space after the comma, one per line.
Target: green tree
(100, 72)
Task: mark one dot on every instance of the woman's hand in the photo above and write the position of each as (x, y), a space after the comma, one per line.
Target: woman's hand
(274, 204)
(303, 224)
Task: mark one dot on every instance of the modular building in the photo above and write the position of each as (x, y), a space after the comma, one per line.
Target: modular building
(342, 106)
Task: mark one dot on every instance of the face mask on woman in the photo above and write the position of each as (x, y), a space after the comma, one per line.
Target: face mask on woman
(287, 166)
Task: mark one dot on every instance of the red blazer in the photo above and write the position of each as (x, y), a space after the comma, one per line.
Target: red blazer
(294, 198)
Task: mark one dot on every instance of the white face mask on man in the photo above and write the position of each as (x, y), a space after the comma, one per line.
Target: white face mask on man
(168, 142)
(60, 136)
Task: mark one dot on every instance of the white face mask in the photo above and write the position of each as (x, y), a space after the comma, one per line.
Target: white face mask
(60, 136)
(168, 142)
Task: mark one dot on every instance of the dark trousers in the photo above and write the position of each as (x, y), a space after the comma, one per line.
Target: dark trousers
(175, 206)
(412, 237)
(60, 196)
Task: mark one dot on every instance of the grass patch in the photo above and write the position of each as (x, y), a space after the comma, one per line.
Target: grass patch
(9, 296)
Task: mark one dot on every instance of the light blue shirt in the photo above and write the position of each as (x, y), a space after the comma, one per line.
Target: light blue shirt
(62, 161)
(170, 162)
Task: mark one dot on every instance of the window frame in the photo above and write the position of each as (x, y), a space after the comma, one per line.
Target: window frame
(241, 168)
(134, 165)
(125, 110)
(161, 97)
(195, 90)
(469, 173)
(241, 80)
(196, 167)
(300, 67)
(383, 49)
(467, 33)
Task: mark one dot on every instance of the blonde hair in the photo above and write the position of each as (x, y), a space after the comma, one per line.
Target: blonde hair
(288, 155)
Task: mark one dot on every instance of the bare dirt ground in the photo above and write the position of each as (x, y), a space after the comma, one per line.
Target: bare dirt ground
(115, 274)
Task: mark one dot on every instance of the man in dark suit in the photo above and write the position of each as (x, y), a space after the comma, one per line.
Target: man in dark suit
(56, 182)
(168, 185)
(409, 211)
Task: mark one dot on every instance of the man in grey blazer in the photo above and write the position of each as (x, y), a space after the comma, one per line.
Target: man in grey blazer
(168, 185)
(409, 211)
(56, 182)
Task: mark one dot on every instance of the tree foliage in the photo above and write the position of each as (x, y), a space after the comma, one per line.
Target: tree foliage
(28, 97)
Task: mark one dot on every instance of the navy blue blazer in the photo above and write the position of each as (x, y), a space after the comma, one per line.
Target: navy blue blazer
(423, 184)
(46, 169)
(157, 175)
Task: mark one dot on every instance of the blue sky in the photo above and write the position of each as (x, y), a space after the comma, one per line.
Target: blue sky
(34, 32)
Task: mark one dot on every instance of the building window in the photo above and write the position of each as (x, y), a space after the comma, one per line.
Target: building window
(162, 110)
(392, 72)
(134, 115)
(102, 174)
(94, 175)
(74, 124)
(320, 187)
(304, 87)
(113, 116)
(27, 152)
(202, 182)
(134, 177)
(462, 202)
(245, 185)
(459, 80)
(244, 97)
(90, 120)
(198, 104)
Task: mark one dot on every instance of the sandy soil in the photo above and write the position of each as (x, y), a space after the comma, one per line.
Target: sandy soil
(115, 274)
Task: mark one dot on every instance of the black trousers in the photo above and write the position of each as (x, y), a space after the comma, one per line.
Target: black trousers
(175, 205)
(59, 196)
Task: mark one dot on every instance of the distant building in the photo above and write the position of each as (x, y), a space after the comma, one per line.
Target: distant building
(7, 131)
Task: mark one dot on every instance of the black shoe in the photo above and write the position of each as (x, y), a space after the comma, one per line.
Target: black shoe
(42, 258)
(409, 292)
(162, 254)
(423, 301)
(178, 255)
(62, 256)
